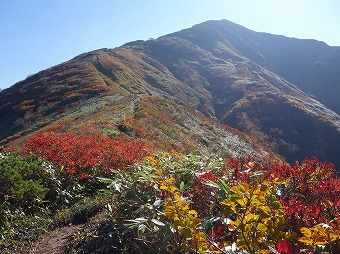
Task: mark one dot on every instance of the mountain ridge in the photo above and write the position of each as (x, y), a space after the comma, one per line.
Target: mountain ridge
(296, 60)
(201, 68)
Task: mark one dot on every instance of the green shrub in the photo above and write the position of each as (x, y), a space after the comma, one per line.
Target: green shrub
(81, 211)
(21, 183)
(31, 191)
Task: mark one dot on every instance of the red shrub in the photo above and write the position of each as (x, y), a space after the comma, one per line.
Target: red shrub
(82, 154)
(312, 194)
(286, 247)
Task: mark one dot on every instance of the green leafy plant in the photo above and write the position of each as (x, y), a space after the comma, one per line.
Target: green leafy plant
(209, 205)
(22, 181)
(172, 203)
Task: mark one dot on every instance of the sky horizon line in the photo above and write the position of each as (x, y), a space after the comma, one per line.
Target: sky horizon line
(38, 34)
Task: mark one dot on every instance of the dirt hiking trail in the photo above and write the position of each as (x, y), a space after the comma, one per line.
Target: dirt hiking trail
(55, 241)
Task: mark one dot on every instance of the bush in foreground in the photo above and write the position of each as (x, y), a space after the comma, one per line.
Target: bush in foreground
(187, 204)
(54, 171)
(171, 203)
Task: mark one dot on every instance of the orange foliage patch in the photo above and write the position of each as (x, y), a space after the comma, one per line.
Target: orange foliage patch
(83, 154)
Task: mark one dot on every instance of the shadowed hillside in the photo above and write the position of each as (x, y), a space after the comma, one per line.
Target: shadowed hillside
(158, 90)
(311, 65)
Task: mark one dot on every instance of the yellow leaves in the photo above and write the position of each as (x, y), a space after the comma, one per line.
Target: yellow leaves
(319, 235)
(257, 213)
(192, 212)
(168, 185)
(240, 189)
(230, 204)
(242, 202)
(251, 164)
(266, 252)
(158, 172)
(265, 209)
(169, 211)
(186, 232)
(261, 228)
(265, 187)
(177, 196)
(177, 208)
(152, 160)
(185, 222)
(250, 217)
(259, 199)
(169, 182)
(307, 236)
(334, 236)
(250, 214)
(173, 189)
(183, 219)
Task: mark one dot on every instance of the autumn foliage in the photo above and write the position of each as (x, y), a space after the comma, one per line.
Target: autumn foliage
(191, 204)
(229, 206)
(86, 154)
(312, 194)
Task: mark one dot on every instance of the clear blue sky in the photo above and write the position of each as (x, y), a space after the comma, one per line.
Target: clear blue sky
(37, 34)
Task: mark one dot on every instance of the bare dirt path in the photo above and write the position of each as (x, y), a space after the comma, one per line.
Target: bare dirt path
(55, 241)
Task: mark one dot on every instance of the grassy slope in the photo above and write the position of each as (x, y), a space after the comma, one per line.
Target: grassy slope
(229, 89)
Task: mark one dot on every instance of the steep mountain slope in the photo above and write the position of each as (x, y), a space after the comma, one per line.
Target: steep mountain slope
(253, 99)
(96, 91)
(155, 90)
(311, 65)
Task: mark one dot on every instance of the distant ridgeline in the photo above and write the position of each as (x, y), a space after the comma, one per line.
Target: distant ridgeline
(214, 88)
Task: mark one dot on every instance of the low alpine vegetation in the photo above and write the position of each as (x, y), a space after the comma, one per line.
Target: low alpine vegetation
(186, 204)
(166, 202)
(53, 181)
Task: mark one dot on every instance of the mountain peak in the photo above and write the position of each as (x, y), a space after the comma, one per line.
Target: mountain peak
(272, 92)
